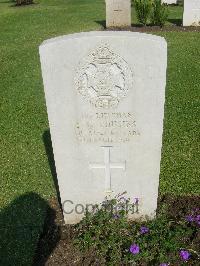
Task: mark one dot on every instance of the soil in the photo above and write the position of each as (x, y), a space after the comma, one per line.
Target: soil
(55, 246)
(173, 28)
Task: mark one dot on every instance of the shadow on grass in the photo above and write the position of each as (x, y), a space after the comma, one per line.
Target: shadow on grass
(102, 23)
(50, 156)
(21, 224)
(14, 3)
(177, 22)
(50, 236)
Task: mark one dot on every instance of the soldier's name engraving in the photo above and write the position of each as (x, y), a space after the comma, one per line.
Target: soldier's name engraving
(106, 127)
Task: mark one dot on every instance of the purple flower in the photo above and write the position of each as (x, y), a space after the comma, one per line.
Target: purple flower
(164, 264)
(136, 200)
(116, 216)
(144, 230)
(189, 218)
(185, 255)
(123, 199)
(134, 249)
(198, 218)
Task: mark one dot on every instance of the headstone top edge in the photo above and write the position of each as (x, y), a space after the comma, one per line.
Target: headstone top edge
(103, 34)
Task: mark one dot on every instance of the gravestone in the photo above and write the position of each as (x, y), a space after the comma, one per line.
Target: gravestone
(105, 95)
(118, 13)
(191, 15)
(170, 2)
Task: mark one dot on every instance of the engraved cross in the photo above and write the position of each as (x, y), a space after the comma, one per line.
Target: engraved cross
(108, 166)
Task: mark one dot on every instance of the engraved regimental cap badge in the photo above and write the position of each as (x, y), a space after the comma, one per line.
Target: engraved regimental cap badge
(103, 78)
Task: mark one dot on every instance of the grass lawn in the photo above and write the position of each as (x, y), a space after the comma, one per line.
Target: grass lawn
(26, 180)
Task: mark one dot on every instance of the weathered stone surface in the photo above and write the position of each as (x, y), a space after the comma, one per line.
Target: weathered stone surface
(118, 13)
(105, 95)
(191, 15)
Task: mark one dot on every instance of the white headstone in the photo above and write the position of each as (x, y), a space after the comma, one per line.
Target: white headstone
(118, 13)
(191, 15)
(105, 95)
(169, 2)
